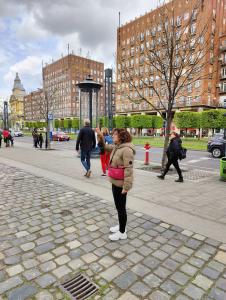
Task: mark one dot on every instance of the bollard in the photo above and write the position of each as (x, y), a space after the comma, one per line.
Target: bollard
(147, 148)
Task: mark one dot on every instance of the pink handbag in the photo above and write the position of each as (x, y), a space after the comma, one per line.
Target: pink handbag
(116, 173)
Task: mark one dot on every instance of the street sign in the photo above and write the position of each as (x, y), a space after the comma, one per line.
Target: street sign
(50, 116)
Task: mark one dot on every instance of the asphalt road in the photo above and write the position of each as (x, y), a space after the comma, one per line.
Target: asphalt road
(195, 159)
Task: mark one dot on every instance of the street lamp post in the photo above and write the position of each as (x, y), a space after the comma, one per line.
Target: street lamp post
(89, 86)
(6, 115)
(225, 138)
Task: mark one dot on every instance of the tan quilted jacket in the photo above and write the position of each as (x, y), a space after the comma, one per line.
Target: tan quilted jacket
(122, 155)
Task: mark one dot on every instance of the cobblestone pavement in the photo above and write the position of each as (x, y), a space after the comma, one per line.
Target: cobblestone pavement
(49, 232)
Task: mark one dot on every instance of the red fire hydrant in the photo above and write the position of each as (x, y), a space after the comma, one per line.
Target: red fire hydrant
(147, 148)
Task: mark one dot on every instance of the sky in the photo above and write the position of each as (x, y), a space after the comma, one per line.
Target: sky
(32, 31)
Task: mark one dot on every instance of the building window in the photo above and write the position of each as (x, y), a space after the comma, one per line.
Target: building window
(223, 72)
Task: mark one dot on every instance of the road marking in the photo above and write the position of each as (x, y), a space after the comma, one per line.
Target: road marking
(205, 158)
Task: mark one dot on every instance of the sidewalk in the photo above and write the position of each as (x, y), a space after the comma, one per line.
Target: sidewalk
(49, 232)
(198, 205)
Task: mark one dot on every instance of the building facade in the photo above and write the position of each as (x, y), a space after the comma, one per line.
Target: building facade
(136, 37)
(60, 79)
(33, 106)
(17, 104)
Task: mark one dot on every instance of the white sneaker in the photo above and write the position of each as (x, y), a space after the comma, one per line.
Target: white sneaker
(118, 236)
(115, 229)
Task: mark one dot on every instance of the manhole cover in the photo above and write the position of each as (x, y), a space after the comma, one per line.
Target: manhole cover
(66, 212)
(79, 287)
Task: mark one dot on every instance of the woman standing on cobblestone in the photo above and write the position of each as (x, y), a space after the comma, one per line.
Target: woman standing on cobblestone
(120, 174)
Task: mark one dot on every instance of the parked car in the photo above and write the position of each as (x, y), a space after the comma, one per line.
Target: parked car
(18, 133)
(60, 136)
(216, 145)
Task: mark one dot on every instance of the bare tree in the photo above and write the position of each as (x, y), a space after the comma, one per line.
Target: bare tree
(170, 57)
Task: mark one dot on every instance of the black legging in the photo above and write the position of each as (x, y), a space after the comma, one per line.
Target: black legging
(173, 162)
(120, 204)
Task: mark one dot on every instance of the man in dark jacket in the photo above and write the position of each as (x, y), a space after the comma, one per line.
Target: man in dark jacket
(86, 140)
(173, 154)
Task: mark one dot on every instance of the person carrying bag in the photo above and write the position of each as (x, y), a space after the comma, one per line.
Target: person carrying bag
(120, 173)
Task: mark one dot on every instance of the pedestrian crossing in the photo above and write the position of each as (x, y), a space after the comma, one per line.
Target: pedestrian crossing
(193, 161)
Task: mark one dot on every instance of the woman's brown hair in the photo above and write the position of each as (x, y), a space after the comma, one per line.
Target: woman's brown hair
(123, 135)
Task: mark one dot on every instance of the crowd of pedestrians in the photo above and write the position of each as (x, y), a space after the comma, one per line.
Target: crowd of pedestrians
(37, 138)
(117, 157)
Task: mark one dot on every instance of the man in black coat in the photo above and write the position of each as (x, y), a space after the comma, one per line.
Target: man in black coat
(86, 140)
(173, 154)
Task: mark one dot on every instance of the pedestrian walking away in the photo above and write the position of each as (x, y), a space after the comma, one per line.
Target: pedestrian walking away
(173, 154)
(35, 137)
(40, 140)
(105, 155)
(86, 142)
(11, 139)
(0, 139)
(120, 172)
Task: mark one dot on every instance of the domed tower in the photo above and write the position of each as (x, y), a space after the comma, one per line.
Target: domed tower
(17, 103)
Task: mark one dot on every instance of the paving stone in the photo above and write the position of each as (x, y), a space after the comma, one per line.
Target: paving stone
(161, 255)
(140, 289)
(221, 283)
(44, 248)
(112, 295)
(216, 266)
(44, 295)
(199, 237)
(140, 270)
(12, 271)
(107, 261)
(75, 253)
(185, 250)
(193, 292)
(10, 284)
(92, 228)
(22, 292)
(221, 257)
(188, 269)
(89, 258)
(45, 280)
(128, 296)
(48, 266)
(118, 254)
(31, 274)
(170, 287)
(182, 297)
(202, 255)
(135, 257)
(73, 244)
(162, 272)
(22, 234)
(210, 273)
(45, 257)
(76, 264)
(217, 294)
(12, 260)
(180, 278)
(152, 281)
(125, 280)
(2, 276)
(196, 262)
(125, 264)
(159, 295)
(151, 262)
(27, 246)
(187, 233)
(203, 282)
(60, 250)
(70, 229)
(44, 239)
(30, 263)
(61, 271)
(62, 260)
(111, 273)
(170, 264)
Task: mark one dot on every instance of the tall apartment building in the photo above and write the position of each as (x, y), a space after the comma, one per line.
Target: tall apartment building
(60, 79)
(135, 37)
(59, 84)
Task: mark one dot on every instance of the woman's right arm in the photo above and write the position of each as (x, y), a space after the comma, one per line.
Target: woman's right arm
(107, 147)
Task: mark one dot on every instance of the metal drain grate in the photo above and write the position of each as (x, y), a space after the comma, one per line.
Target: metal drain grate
(79, 287)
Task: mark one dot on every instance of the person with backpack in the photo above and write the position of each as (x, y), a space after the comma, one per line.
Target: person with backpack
(5, 134)
(11, 140)
(174, 153)
(104, 155)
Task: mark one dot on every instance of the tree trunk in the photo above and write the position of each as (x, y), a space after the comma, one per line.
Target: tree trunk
(166, 141)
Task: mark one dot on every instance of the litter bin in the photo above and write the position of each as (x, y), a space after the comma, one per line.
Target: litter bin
(223, 168)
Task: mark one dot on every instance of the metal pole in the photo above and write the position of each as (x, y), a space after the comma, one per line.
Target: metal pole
(91, 107)
(6, 115)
